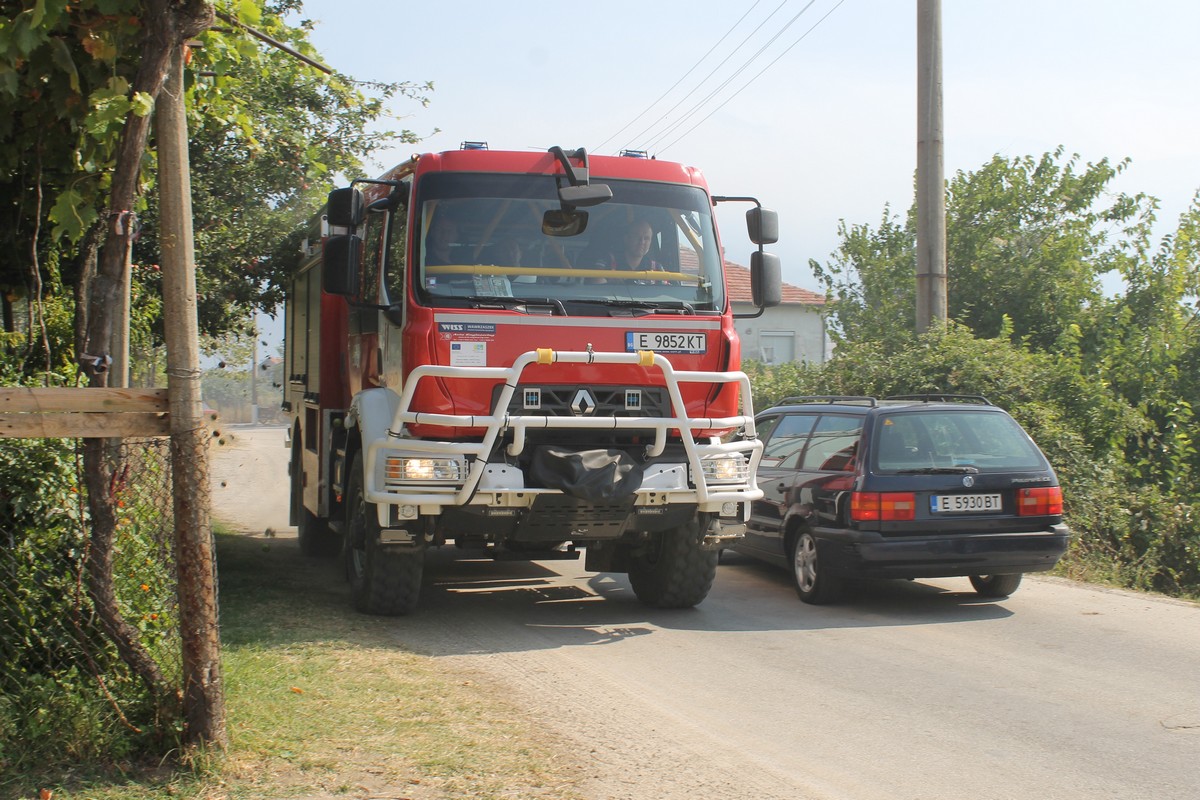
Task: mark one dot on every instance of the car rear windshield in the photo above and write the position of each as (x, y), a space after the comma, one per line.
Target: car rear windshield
(988, 441)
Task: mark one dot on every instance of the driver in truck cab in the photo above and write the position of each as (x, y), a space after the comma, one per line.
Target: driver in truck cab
(633, 253)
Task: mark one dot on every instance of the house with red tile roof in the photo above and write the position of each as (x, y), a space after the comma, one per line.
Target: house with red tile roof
(794, 330)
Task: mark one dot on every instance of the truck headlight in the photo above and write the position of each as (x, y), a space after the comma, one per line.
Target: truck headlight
(404, 469)
(727, 468)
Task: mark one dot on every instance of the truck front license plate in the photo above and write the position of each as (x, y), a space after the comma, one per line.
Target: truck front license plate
(665, 342)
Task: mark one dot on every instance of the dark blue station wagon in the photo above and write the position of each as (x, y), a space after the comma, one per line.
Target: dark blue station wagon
(915, 487)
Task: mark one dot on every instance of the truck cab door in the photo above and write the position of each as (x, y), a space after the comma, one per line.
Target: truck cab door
(363, 321)
(395, 289)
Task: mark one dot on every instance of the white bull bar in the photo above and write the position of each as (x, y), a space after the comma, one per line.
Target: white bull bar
(430, 498)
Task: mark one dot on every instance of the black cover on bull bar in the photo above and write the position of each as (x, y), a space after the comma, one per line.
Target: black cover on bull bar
(592, 475)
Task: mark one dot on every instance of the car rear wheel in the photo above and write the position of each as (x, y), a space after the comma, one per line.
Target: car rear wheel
(996, 585)
(814, 584)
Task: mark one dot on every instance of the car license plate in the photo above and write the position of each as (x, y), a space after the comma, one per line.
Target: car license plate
(665, 342)
(964, 503)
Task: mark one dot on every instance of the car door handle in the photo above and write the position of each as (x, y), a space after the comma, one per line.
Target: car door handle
(782, 485)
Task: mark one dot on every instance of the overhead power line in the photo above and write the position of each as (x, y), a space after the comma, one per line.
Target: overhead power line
(704, 80)
(725, 102)
(694, 109)
(683, 77)
(262, 37)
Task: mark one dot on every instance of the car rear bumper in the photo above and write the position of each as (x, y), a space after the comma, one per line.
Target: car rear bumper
(871, 555)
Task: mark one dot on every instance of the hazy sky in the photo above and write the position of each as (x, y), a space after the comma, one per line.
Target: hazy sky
(828, 130)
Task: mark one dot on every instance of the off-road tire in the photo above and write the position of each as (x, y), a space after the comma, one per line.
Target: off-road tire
(813, 582)
(671, 571)
(384, 580)
(998, 586)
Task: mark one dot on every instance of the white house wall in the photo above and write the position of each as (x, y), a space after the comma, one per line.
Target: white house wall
(805, 324)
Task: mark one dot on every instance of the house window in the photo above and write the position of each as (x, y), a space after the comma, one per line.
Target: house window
(777, 347)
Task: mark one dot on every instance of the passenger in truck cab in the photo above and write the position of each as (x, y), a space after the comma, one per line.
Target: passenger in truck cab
(632, 252)
(443, 231)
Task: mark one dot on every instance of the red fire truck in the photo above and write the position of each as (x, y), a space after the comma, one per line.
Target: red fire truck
(476, 358)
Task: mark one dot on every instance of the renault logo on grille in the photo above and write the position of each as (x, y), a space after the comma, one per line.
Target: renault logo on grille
(583, 404)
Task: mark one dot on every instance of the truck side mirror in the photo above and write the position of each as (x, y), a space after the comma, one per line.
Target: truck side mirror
(762, 225)
(345, 208)
(766, 281)
(341, 260)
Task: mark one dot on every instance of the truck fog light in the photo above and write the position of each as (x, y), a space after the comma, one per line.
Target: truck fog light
(728, 468)
(405, 468)
(730, 510)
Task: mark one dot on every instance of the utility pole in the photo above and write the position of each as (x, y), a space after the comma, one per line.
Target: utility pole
(203, 688)
(254, 375)
(931, 179)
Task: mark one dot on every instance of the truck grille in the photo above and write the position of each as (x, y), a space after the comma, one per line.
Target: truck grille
(597, 401)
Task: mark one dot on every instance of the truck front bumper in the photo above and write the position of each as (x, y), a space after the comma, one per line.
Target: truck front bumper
(421, 477)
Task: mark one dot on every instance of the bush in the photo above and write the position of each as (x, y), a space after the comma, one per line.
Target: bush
(66, 697)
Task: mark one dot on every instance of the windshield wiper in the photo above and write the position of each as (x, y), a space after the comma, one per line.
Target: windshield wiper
(516, 303)
(963, 470)
(644, 306)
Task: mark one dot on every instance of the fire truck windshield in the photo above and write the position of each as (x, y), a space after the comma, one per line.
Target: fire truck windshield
(480, 236)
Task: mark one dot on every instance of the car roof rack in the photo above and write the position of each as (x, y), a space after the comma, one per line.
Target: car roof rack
(827, 398)
(938, 397)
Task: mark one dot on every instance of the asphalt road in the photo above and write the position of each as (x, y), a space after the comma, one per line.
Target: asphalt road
(907, 690)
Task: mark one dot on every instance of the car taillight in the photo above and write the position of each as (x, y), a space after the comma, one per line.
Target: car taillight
(1041, 501)
(883, 506)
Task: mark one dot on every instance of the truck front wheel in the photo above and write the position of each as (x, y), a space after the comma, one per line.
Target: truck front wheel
(671, 570)
(384, 580)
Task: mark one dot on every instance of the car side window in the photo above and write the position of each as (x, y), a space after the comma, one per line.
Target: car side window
(786, 440)
(833, 445)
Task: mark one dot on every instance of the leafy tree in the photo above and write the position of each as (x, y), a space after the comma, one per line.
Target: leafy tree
(268, 135)
(79, 80)
(870, 280)
(1027, 241)
(268, 132)
(1147, 348)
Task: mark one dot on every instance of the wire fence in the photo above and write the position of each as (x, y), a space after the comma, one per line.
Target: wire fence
(65, 691)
